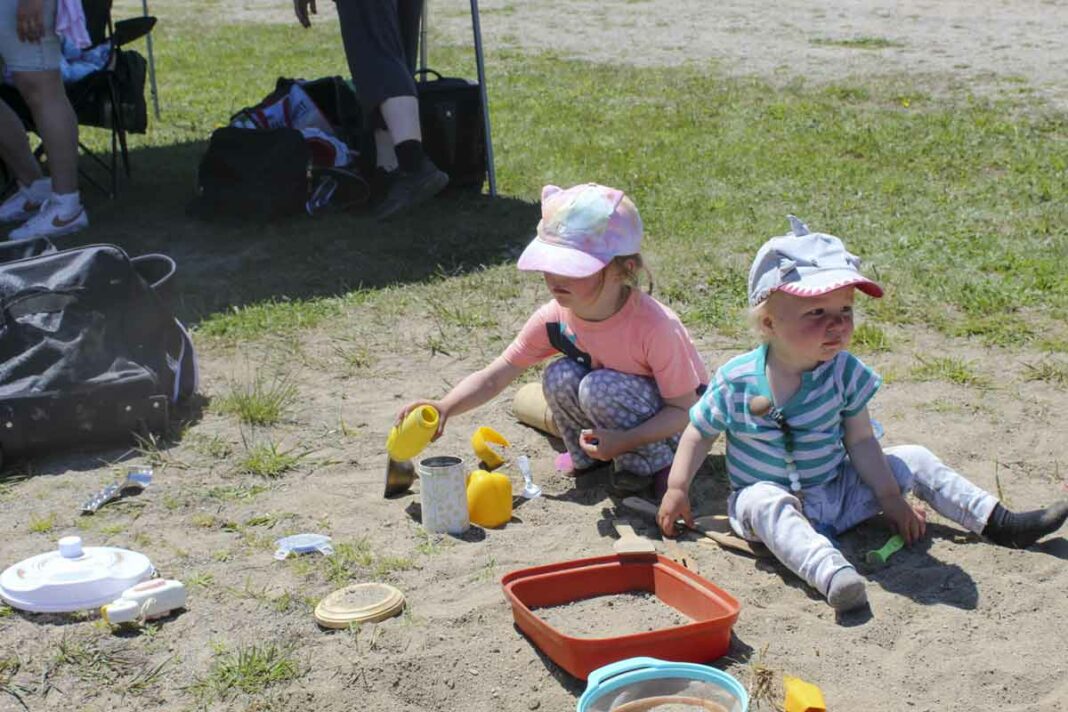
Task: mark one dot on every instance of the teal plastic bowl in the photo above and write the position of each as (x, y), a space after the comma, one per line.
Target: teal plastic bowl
(639, 684)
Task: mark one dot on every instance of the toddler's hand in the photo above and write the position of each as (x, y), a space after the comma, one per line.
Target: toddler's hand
(443, 414)
(674, 506)
(602, 444)
(910, 522)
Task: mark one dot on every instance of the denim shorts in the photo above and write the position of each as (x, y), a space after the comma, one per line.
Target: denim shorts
(18, 56)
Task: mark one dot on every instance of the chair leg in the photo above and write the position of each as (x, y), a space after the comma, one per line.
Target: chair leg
(114, 165)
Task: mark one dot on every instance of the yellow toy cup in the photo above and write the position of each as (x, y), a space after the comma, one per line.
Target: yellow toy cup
(489, 498)
(479, 442)
(802, 696)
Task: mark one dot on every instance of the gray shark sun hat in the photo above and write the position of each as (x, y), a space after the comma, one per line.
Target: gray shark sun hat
(805, 264)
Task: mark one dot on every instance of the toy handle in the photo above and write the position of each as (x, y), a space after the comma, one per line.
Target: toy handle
(615, 669)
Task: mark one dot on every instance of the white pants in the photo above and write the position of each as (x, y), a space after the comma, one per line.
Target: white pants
(770, 513)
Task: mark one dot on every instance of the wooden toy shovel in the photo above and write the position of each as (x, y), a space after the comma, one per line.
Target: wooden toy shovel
(715, 527)
(629, 542)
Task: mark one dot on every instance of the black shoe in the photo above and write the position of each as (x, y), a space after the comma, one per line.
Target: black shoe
(1019, 530)
(410, 189)
(622, 483)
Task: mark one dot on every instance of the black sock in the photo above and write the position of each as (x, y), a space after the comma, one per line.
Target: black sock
(1019, 530)
(409, 155)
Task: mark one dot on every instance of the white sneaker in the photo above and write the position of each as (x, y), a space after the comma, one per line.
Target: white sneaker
(49, 222)
(22, 205)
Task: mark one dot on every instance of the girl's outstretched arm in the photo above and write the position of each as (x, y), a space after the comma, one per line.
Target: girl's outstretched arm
(474, 390)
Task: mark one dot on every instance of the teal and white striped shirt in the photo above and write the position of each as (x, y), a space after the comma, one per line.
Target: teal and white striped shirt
(756, 450)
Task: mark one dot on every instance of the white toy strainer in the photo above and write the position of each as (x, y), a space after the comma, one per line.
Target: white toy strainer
(72, 578)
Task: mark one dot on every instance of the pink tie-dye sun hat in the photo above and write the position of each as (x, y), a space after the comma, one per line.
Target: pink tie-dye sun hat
(581, 229)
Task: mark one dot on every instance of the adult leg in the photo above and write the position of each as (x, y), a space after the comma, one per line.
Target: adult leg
(56, 124)
(19, 56)
(560, 384)
(35, 69)
(62, 213)
(410, 14)
(15, 147)
(375, 49)
(770, 513)
(33, 188)
(620, 401)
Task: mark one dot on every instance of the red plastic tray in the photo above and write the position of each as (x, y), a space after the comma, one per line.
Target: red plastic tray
(712, 609)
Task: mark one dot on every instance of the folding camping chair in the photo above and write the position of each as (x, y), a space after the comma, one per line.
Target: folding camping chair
(111, 98)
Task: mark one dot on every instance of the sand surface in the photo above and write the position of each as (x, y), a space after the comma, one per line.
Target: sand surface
(957, 624)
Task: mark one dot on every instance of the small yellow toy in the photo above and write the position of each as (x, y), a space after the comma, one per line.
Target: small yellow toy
(479, 442)
(489, 498)
(802, 696)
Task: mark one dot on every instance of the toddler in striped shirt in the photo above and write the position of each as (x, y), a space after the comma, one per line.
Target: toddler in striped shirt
(802, 457)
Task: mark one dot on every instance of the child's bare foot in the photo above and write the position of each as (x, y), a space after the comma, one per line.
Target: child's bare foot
(1019, 530)
(848, 590)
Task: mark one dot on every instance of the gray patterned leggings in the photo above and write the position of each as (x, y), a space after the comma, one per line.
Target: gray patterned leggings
(581, 398)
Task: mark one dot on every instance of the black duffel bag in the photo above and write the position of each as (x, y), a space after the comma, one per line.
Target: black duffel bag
(454, 137)
(89, 349)
(252, 174)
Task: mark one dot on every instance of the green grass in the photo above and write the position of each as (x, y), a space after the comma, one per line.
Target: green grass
(858, 43)
(43, 524)
(349, 560)
(1049, 371)
(261, 402)
(273, 317)
(232, 493)
(713, 163)
(268, 460)
(199, 579)
(250, 669)
(951, 370)
(868, 338)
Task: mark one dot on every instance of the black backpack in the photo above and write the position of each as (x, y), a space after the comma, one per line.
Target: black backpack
(253, 174)
(90, 350)
(450, 112)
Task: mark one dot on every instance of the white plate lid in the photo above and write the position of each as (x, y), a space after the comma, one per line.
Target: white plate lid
(72, 578)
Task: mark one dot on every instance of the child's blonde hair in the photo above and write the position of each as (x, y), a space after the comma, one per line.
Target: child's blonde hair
(630, 268)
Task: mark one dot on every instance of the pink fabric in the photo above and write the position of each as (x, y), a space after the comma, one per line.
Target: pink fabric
(644, 338)
(70, 23)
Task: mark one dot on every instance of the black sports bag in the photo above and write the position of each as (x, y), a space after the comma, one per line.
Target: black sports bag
(89, 349)
(253, 174)
(450, 113)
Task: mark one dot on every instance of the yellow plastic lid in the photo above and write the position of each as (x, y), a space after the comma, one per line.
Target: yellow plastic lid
(359, 603)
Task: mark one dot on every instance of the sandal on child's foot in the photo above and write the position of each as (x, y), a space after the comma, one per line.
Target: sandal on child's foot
(565, 466)
(848, 590)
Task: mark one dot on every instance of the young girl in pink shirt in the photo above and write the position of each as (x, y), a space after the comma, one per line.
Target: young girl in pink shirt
(628, 372)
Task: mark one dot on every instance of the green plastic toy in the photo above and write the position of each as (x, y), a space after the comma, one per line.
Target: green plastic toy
(879, 557)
